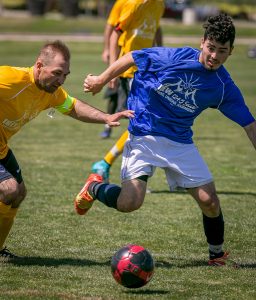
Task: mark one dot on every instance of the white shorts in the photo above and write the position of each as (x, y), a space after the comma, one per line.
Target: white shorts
(183, 165)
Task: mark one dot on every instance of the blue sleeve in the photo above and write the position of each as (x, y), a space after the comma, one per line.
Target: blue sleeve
(152, 59)
(233, 106)
(157, 58)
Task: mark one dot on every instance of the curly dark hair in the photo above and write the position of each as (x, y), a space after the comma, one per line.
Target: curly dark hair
(220, 28)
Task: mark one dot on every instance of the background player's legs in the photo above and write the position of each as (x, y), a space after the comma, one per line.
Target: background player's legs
(102, 167)
(112, 97)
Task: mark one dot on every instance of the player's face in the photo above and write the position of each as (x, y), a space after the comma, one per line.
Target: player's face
(214, 54)
(52, 75)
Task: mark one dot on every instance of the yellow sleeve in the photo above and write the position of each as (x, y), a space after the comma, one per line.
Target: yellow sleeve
(115, 12)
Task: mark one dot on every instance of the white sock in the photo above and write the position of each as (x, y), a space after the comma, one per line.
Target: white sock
(215, 248)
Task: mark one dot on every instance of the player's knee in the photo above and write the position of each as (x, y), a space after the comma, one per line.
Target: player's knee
(210, 205)
(129, 205)
(21, 196)
(11, 192)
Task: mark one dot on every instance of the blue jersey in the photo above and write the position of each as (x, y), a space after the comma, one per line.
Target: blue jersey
(171, 88)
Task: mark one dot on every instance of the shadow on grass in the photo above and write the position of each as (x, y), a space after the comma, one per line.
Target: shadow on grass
(147, 292)
(209, 138)
(218, 192)
(188, 263)
(180, 263)
(55, 262)
(247, 266)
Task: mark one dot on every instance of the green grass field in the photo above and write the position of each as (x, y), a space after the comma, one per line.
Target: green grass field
(67, 256)
(94, 25)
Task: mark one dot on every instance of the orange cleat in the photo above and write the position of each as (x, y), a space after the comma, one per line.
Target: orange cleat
(84, 200)
(223, 261)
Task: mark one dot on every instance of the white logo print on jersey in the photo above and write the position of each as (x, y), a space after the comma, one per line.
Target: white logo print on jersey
(147, 29)
(14, 125)
(181, 93)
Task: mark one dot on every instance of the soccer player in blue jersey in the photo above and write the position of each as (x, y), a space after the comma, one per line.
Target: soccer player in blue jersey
(170, 89)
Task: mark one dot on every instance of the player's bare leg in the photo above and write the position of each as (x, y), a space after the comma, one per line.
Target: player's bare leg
(11, 196)
(127, 198)
(132, 195)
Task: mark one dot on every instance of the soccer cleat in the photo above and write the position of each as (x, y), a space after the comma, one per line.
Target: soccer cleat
(84, 200)
(102, 168)
(223, 261)
(219, 261)
(6, 254)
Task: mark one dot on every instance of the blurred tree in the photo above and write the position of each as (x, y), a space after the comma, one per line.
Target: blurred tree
(69, 8)
(96, 7)
(238, 2)
(36, 7)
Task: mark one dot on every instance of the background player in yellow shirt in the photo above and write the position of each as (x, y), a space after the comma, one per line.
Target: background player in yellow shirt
(24, 93)
(139, 27)
(110, 26)
(111, 94)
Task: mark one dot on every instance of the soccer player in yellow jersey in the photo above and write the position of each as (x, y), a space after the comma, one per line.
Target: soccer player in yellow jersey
(24, 93)
(139, 27)
(110, 26)
(111, 94)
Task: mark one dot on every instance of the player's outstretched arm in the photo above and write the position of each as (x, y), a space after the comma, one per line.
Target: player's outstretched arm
(251, 132)
(89, 114)
(94, 84)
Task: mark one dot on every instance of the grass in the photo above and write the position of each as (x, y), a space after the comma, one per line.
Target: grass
(95, 25)
(68, 256)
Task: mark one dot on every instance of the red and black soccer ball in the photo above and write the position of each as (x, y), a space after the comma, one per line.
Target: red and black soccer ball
(132, 266)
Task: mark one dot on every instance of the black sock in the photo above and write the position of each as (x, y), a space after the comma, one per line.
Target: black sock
(214, 231)
(105, 193)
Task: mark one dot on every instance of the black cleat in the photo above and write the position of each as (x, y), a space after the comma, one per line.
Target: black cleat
(6, 254)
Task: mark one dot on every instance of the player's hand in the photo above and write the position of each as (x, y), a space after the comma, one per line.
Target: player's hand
(105, 56)
(112, 120)
(92, 84)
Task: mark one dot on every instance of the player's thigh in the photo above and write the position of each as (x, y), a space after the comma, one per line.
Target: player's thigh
(207, 199)
(185, 168)
(12, 188)
(21, 195)
(132, 195)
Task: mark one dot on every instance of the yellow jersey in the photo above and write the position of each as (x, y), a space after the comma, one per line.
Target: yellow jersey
(139, 21)
(115, 12)
(114, 16)
(21, 101)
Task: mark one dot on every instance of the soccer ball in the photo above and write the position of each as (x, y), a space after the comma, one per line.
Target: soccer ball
(132, 266)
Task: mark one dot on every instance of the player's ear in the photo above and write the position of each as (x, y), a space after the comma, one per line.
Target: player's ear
(202, 43)
(231, 50)
(38, 66)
